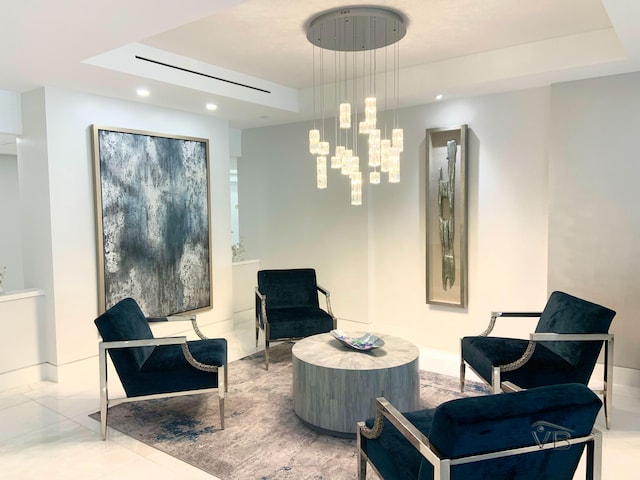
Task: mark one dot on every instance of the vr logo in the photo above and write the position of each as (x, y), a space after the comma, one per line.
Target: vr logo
(546, 432)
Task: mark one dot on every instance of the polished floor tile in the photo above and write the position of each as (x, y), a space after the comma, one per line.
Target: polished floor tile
(45, 431)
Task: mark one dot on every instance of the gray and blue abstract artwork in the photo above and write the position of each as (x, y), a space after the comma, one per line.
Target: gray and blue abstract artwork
(155, 221)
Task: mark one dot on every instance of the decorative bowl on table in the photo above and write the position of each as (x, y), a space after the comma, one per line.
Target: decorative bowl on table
(368, 341)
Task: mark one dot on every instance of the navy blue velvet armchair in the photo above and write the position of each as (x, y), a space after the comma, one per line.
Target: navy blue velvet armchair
(151, 367)
(528, 435)
(564, 349)
(287, 306)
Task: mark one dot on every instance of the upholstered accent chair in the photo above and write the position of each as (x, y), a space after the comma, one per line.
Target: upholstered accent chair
(287, 306)
(150, 367)
(528, 435)
(564, 349)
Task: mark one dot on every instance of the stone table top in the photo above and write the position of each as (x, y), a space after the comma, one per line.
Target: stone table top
(326, 351)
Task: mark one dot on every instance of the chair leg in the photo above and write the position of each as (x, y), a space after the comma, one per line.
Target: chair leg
(594, 457)
(266, 353)
(221, 408)
(104, 393)
(267, 333)
(495, 380)
(362, 461)
(257, 331)
(462, 375)
(608, 382)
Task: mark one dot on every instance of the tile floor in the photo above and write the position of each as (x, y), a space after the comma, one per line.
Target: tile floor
(45, 431)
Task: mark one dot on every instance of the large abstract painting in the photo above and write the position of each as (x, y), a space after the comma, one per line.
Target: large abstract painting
(153, 220)
(446, 216)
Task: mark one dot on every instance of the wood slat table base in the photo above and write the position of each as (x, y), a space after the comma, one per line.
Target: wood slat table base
(334, 386)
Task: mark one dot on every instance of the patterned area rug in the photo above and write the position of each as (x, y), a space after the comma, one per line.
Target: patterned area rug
(263, 439)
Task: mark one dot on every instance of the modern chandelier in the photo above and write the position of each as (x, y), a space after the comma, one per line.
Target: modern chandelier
(361, 83)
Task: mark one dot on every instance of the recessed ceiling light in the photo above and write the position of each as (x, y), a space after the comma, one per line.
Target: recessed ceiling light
(439, 96)
(212, 107)
(143, 92)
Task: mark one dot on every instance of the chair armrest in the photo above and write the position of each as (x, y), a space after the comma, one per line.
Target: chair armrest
(261, 307)
(414, 436)
(553, 337)
(156, 342)
(495, 315)
(323, 290)
(327, 296)
(147, 342)
(172, 318)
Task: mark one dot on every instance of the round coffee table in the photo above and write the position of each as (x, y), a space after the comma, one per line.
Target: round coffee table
(335, 386)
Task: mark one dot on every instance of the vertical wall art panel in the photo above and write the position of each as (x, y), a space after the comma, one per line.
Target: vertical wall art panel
(447, 216)
(153, 220)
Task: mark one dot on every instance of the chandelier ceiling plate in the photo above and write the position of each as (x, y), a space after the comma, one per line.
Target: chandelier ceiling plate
(356, 29)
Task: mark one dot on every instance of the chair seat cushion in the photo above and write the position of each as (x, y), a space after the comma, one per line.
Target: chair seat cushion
(298, 322)
(543, 368)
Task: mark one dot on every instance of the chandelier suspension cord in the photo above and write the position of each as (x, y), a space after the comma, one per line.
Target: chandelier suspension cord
(322, 88)
(354, 86)
(396, 81)
(335, 93)
(314, 86)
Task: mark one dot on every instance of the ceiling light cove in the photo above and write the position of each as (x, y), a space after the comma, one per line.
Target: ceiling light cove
(159, 65)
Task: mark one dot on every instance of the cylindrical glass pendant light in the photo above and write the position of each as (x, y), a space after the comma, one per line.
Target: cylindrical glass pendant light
(397, 138)
(394, 165)
(314, 141)
(374, 148)
(321, 172)
(385, 147)
(345, 115)
(356, 188)
(323, 148)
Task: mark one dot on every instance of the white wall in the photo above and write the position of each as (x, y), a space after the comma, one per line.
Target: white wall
(61, 152)
(594, 219)
(507, 219)
(10, 238)
(10, 113)
(286, 222)
(372, 257)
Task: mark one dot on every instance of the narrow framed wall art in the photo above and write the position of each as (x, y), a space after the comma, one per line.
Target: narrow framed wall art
(446, 211)
(152, 196)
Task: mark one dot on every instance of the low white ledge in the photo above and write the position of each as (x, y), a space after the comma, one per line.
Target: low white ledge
(20, 294)
(245, 262)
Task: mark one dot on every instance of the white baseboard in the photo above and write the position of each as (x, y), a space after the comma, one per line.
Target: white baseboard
(23, 376)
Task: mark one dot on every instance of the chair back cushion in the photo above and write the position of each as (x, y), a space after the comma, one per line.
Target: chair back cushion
(125, 321)
(289, 288)
(565, 313)
(479, 425)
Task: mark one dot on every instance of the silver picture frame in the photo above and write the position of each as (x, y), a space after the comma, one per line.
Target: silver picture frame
(153, 220)
(446, 216)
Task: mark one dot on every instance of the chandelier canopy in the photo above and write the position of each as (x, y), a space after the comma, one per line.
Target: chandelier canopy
(357, 36)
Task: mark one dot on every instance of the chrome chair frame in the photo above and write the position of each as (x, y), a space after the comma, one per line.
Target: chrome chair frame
(498, 386)
(104, 347)
(442, 466)
(265, 321)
